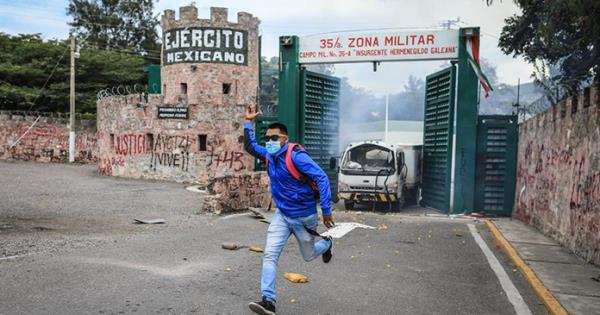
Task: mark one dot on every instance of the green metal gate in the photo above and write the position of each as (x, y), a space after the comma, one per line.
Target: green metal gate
(497, 138)
(262, 122)
(437, 139)
(319, 120)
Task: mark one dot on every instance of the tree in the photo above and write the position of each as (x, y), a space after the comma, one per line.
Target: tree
(116, 24)
(269, 88)
(564, 34)
(269, 85)
(27, 62)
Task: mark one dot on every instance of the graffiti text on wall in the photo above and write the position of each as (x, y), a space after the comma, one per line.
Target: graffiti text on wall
(231, 159)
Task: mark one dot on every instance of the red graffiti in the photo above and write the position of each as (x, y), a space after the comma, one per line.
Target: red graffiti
(117, 161)
(38, 131)
(231, 159)
(105, 168)
(130, 144)
(576, 192)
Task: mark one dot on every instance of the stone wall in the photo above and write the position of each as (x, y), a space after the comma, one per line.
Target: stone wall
(47, 140)
(205, 144)
(206, 149)
(558, 173)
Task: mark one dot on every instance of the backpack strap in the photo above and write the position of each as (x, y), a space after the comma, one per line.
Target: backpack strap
(290, 164)
(294, 171)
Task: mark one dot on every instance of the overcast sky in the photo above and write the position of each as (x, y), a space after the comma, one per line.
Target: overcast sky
(280, 17)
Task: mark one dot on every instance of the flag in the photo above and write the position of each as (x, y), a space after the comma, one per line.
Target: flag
(473, 58)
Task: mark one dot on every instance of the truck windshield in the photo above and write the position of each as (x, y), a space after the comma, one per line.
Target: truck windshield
(368, 158)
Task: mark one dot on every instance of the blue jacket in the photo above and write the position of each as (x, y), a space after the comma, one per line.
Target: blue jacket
(293, 197)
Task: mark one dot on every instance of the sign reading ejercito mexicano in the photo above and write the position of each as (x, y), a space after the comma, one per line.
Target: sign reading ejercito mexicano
(205, 45)
(172, 112)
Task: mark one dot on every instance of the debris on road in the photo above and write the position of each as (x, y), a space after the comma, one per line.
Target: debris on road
(231, 246)
(196, 188)
(382, 227)
(293, 301)
(255, 249)
(458, 234)
(153, 221)
(228, 269)
(295, 277)
(256, 213)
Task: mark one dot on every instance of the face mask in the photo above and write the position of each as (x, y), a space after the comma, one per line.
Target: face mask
(273, 147)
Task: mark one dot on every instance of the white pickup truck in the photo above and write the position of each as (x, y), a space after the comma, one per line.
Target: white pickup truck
(375, 172)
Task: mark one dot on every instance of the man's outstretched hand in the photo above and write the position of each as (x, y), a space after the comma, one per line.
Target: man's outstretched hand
(328, 221)
(251, 113)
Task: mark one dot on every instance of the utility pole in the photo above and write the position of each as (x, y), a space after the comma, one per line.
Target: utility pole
(72, 105)
(387, 104)
(448, 24)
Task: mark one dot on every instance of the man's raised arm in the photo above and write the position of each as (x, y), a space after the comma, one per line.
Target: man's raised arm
(250, 144)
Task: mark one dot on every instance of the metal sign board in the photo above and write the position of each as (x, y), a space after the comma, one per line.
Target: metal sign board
(399, 45)
(205, 45)
(172, 112)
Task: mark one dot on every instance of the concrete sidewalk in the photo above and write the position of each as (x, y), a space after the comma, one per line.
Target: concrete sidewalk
(568, 277)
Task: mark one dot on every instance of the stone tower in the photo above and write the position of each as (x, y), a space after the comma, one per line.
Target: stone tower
(209, 61)
(192, 131)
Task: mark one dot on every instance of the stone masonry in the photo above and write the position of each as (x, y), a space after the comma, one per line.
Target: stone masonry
(205, 145)
(47, 140)
(558, 173)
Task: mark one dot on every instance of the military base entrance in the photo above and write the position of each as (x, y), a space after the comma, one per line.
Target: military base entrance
(464, 163)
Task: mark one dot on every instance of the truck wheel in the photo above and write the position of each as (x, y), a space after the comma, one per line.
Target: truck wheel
(399, 204)
(348, 205)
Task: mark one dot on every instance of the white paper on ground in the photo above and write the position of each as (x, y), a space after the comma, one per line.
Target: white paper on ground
(343, 228)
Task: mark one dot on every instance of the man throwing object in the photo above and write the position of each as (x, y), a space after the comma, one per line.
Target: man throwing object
(296, 180)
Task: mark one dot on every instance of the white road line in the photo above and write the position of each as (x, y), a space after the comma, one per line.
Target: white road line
(13, 257)
(512, 293)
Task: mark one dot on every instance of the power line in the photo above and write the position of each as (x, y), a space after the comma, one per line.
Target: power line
(49, 77)
(124, 52)
(490, 35)
(38, 96)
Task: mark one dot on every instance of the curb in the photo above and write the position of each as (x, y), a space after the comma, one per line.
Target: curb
(551, 303)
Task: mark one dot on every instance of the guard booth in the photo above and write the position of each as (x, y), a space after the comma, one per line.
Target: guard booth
(309, 103)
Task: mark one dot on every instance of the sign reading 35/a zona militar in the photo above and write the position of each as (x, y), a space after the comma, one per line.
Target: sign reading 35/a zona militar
(379, 46)
(205, 45)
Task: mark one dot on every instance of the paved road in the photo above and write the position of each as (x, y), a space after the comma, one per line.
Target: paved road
(78, 253)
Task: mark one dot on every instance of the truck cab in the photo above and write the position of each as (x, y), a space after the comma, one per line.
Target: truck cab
(378, 173)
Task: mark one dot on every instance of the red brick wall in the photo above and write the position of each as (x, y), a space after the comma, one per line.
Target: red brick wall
(558, 173)
(47, 140)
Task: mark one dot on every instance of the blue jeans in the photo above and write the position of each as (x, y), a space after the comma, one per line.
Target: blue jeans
(279, 231)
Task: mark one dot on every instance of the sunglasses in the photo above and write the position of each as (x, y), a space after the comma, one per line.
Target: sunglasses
(273, 138)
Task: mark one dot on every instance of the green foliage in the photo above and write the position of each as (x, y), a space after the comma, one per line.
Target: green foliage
(269, 88)
(565, 34)
(26, 62)
(116, 24)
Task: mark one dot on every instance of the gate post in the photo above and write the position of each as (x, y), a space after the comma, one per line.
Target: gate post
(289, 85)
(466, 129)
